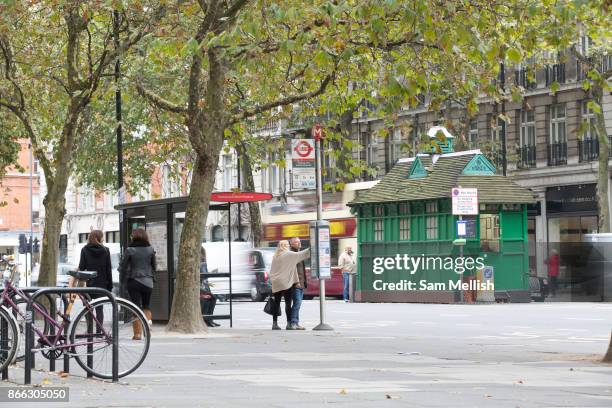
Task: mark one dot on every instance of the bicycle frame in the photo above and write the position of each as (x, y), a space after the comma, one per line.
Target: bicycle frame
(10, 291)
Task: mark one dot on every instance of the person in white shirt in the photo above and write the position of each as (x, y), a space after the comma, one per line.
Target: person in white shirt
(347, 263)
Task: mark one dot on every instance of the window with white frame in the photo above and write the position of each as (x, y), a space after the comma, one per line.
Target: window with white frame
(588, 120)
(170, 182)
(228, 170)
(370, 141)
(557, 124)
(528, 128)
(110, 200)
(395, 145)
(473, 134)
(86, 200)
(496, 129)
(329, 164)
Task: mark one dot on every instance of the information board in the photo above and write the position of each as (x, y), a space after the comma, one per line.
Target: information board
(465, 201)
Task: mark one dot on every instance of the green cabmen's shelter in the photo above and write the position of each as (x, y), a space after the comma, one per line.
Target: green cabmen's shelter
(407, 234)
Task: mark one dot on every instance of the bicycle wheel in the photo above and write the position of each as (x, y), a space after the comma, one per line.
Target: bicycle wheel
(99, 341)
(38, 320)
(9, 337)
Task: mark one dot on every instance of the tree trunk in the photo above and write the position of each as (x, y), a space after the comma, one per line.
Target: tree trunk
(249, 185)
(186, 316)
(206, 129)
(608, 357)
(54, 203)
(603, 201)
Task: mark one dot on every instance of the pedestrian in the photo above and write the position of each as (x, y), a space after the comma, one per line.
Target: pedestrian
(137, 274)
(346, 262)
(553, 262)
(284, 275)
(207, 299)
(298, 288)
(96, 257)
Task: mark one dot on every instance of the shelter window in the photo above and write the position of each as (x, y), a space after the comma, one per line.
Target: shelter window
(379, 223)
(432, 220)
(489, 232)
(404, 224)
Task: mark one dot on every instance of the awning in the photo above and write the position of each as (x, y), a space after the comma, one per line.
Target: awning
(8, 241)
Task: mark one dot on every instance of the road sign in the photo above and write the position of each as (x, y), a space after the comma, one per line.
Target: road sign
(465, 201)
(303, 164)
(317, 132)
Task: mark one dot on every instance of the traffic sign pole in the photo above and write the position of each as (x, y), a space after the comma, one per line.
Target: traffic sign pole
(317, 133)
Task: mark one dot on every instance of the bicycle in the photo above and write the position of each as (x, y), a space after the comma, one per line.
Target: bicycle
(95, 314)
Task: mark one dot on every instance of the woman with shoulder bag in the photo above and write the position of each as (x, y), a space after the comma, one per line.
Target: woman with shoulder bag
(137, 274)
(284, 275)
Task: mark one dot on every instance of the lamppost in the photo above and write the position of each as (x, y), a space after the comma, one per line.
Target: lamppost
(502, 80)
(119, 130)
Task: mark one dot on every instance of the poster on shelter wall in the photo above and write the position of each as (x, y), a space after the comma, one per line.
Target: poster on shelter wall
(158, 238)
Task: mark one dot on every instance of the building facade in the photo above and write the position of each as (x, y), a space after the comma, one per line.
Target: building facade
(17, 198)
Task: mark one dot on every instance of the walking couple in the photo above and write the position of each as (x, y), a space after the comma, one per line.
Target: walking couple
(288, 276)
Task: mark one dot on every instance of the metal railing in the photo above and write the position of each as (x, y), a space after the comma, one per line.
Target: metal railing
(557, 154)
(527, 156)
(588, 149)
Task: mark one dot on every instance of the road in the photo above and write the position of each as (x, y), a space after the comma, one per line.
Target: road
(417, 355)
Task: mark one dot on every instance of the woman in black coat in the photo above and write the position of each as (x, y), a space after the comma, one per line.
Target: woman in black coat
(137, 273)
(96, 257)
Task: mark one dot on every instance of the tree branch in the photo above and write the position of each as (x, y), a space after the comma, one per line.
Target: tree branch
(160, 102)
(247, 113)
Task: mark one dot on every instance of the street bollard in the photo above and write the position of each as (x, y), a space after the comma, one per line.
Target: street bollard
(352, 285)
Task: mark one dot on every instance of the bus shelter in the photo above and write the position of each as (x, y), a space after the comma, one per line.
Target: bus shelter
(163, 220)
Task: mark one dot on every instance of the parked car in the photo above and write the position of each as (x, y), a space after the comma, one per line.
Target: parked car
(538, 287)
(333, 287)
(260, 261)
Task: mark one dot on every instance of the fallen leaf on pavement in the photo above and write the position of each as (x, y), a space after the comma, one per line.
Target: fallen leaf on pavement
(343, 392)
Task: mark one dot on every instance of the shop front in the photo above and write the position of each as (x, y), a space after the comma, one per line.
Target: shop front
(572, 214)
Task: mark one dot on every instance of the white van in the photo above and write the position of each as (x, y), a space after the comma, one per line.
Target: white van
(217, 261)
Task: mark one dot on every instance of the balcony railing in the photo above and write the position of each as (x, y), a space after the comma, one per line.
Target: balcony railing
(522, 79)
(588, 149)
(555, 73)
(527, 157)
(557, 154)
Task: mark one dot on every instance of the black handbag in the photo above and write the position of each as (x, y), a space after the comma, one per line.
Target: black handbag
(270, 307)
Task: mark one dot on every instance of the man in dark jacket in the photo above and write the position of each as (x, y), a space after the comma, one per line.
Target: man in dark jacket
(298, 289)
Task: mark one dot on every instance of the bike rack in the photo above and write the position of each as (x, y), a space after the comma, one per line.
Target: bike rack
(29, 355)
(4, 328)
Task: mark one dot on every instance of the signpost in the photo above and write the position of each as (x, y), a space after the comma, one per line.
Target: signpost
(322, 234)
(464, 202)
(303, 164)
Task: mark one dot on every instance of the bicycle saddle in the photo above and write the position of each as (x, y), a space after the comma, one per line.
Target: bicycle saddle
(85, 275)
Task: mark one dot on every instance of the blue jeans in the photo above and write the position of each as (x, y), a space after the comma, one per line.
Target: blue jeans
(298, 296)
(345, 279)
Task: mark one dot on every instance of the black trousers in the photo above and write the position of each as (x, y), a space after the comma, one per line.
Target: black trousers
(139, 293)
(288, 295)
(208, 308)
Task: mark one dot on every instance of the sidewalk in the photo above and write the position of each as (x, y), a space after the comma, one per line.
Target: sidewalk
(417, 356)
